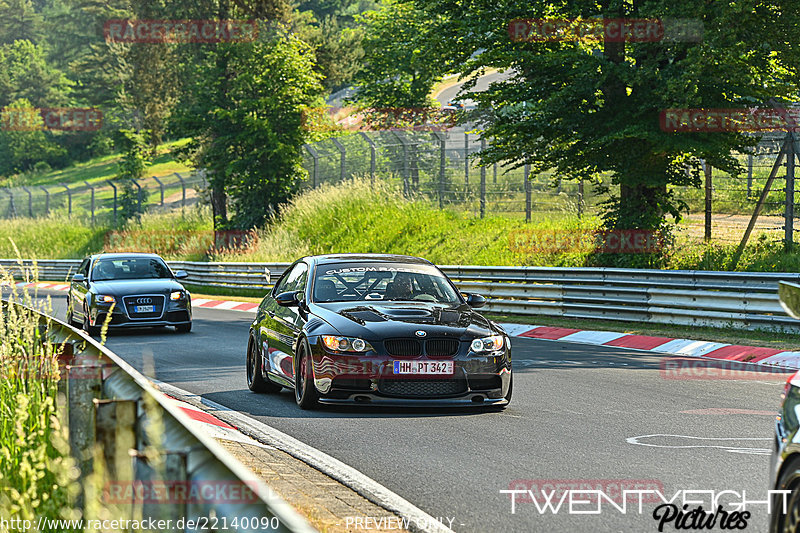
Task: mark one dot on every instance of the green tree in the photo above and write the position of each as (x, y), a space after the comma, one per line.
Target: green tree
(25, 74)
(590, 110)
(23, 139)
(19, 21)
(402, 59)
(133, 146)
(245, 114)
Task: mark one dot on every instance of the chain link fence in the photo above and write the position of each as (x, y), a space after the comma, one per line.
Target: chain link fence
(100, 201)
(442, 167)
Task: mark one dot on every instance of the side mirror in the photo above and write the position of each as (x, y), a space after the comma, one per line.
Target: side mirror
(288, 299)
(78, 278)
(475, 300)
(181, 274)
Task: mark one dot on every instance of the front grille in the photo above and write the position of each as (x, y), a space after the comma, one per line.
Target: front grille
(441, 347)
(485, 383)
(423, 388)
(403, 347)
(177, 316)
(157, 301)
(351, 383)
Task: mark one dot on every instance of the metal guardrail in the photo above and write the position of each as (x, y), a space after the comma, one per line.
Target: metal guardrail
(110, 404)
(746, 300)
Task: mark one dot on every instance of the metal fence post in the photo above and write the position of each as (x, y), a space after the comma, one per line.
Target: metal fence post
(183, 190)
(527, 193)
(161, 187)
(315, 156)
(139, 193)
(789, 214)
(85, 384)
(92, 204)
(483, 181)
(405, 159)
(371, 156)
(342, 159)
(69, 200)
(580, 198)
(46, 200)
(115, 199)
(30, 201)
(466, 165)
(494, 173)
(442, 137)
(115, 432)
(12, 209)
(708, 187)
(749, 174)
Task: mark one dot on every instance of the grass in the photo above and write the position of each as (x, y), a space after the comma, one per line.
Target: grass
(99, 169)
(37, 476)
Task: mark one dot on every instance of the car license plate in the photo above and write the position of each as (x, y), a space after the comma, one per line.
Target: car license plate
(424, 367)
(143, 308)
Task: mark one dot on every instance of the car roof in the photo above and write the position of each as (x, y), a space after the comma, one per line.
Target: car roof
(379, 258)
(123, 255)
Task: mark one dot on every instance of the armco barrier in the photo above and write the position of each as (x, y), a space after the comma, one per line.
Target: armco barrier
(110, 403)
(747, 300)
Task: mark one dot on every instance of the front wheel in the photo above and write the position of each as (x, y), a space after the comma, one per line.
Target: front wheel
(305, 393)
(92, 331)
(789, 480)
(70, 313)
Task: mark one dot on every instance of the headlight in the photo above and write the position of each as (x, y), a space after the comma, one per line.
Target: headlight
(176, 295)
(487, 344)
(345, 344)
(105, 299)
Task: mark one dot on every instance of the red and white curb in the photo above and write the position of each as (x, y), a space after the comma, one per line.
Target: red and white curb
(663, 345)
(213, 426)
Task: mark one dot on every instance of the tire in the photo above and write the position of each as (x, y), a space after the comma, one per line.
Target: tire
(70, 315)
(184, 328)
(789, 480)
(92, 331)
(305, 393)
(255, 381)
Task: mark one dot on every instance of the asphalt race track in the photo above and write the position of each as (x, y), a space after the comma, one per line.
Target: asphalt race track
(579, 413)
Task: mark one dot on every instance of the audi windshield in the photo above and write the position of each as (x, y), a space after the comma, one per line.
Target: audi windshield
(130, 268)
(348, 282)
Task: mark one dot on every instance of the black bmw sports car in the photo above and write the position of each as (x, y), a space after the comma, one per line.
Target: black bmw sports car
(376, 329)
(138, 290)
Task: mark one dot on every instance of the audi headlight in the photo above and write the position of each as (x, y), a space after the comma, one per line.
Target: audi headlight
(105, 298)
(487, 344)
(176, 295)
(345, 344)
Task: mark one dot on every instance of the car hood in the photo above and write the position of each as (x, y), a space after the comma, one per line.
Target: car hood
(379, 320)
(124, 287)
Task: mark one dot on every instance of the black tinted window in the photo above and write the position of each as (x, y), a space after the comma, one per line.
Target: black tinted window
(130, 268)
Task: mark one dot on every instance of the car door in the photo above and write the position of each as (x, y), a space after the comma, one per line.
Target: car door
(281, 326)
(78, 290)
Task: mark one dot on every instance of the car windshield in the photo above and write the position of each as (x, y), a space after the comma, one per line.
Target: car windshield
(130, 268)
(345, 282)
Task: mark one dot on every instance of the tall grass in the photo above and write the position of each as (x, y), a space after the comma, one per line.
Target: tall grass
(356, 217)
(37, 476)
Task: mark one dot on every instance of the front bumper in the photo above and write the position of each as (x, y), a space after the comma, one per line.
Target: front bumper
(177, 313)
(370, 379)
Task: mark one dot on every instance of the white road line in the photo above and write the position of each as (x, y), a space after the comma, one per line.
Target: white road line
(347, 475)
